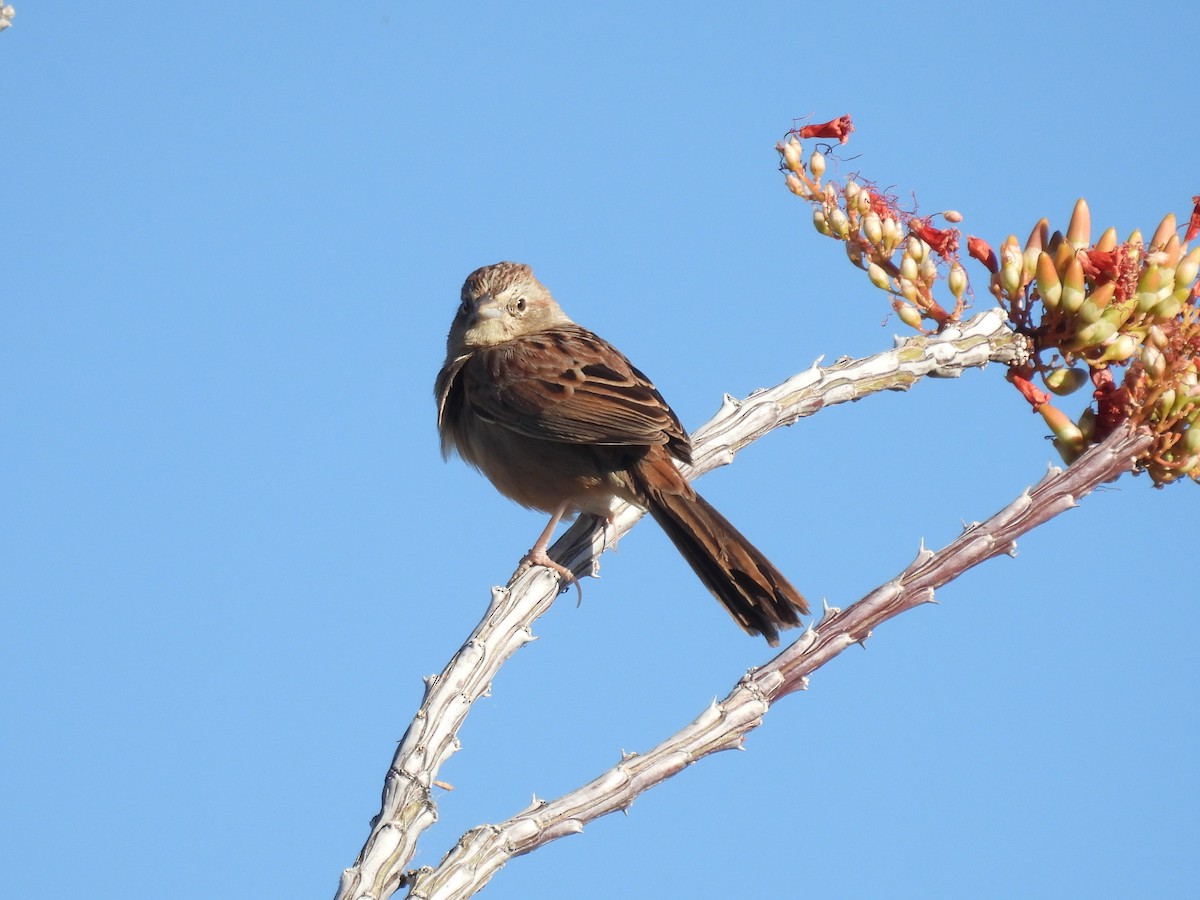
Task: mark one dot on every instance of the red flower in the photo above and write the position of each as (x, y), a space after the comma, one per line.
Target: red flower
(1194, 222)
(979, 249)
(943, 241)
(1102, 265)
(839, 128)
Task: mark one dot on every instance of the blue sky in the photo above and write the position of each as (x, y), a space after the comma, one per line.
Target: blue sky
(233, 242)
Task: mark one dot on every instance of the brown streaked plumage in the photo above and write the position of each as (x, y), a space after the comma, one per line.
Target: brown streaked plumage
(559, 420)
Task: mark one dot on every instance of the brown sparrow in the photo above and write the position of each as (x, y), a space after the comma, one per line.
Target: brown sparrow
(559, 420)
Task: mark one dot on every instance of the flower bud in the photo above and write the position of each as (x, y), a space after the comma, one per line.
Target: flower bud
(1185, 272)
(909, 315)
(821, 223)
(1095, 302)
(1153, 361)
(1108, 240)
(791, 154)
(1093, 335)
(1062, 427)
(1048, 285)
(891, 234)
(1072, 294)
(1166, 309)
(879, 277)
(1063, 381)
(872, 229)
(1120, 349)
(1164, 232)
(1191, 441)
(1079, 229)
(816, 164)
(957, 281)
(916, 248)
(839, 223)
(908, 267)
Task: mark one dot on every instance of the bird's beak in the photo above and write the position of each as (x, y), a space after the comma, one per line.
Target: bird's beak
(487, 308)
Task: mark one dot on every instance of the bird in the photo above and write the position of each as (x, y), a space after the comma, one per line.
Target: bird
(561, 421)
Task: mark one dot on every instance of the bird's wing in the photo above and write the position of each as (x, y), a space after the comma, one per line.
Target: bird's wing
(566, 384)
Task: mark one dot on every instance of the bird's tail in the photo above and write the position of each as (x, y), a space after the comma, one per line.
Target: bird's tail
(750, 587)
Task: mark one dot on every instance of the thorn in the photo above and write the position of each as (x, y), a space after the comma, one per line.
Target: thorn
(627, 755)
(827, 610)
(1012, 549)
(862, 641)
(816, 363)
(430, 680)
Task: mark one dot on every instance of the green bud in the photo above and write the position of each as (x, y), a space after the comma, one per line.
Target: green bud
(1063, 381)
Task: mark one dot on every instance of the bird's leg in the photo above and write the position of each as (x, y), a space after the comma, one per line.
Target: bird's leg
(537, 555)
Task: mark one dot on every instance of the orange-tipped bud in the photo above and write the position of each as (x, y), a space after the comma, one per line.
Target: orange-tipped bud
(1048, 285)
(1108, 241)
(1096, 302)
(1072, 294)
(1079, 230)
(1163, 233)
(1039, 238)
(1119, 313)
(1061, 426)
(1151, 288)
(1173, 250)
(1093, 335)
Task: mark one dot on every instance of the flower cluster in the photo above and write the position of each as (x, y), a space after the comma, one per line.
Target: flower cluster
(1120, 316)
(902, 253)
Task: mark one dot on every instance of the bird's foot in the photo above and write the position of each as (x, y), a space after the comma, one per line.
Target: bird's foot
(537, 556)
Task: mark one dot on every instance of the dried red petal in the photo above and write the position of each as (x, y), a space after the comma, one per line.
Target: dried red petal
(1036, 397)
(1102, 265)
(978, 249)
(839, 128)
(1194, 222)
(943, 241)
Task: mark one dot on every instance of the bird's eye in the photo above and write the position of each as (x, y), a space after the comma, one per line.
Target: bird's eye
(519, 305)
(464, 307)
